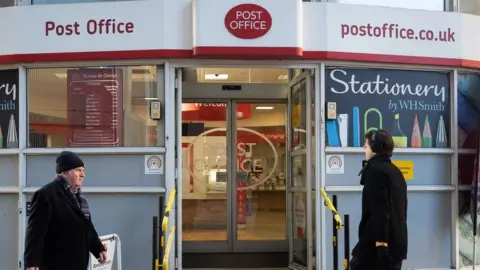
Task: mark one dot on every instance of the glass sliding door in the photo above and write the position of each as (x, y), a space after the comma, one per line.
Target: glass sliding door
(260, 189)
(205, 177)
(233, 176)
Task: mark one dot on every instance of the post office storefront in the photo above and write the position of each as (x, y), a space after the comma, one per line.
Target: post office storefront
(247, 110)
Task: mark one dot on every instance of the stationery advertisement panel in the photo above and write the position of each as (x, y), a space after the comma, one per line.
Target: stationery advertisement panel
(9, 108)
(468, 110)
(414, 106)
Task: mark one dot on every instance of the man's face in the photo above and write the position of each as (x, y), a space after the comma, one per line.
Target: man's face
(74, 177)
(368, 150)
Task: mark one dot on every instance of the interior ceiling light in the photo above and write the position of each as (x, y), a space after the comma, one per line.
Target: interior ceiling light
(282, 77)
(264, 108)
(216, 76)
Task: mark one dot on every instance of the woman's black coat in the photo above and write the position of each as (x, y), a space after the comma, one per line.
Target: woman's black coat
(384, 210)
(59, 236)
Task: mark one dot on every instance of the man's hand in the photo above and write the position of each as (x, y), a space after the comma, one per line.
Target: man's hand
(103, 257)
(33, 268)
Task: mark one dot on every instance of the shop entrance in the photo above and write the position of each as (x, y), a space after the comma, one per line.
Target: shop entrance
(237, 205)
(236, 166)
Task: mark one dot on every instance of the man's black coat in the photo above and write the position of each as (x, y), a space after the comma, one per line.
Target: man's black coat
(384, 210)
(59, 236)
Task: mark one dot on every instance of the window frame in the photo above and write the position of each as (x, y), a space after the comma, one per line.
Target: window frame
(24, 86)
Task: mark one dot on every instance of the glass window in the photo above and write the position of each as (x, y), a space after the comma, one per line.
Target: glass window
(468, 108)
(469, 6)
(299, 115)
(93, 107)
(411, 4)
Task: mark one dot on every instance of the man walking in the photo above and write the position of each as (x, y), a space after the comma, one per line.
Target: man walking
(382, 233)
(60, 233)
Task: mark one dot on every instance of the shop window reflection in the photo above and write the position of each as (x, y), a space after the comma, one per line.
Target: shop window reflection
(260, 154)
(469, 6)
(438, 5)
(92, 107)
(468, 109)
(265, 135)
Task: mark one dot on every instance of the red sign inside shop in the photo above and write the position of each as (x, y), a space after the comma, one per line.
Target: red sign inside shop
(241, 203)
(241, 193)
(94, 107)
(248, 21)
(212, 111)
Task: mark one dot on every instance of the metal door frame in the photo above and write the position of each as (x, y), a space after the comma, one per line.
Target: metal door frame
(172, 83)
(306, 76)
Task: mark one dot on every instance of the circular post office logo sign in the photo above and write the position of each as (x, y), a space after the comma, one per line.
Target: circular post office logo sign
(248, 21)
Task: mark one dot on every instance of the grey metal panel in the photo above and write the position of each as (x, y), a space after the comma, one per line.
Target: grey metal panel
(429, 228)
(101, 171)
(9, 170)
(127, 215)
(250, 91)
(427, 170)
(9, 231)
(7, 3)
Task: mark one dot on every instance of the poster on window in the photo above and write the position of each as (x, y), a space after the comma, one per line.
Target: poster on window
(9, 108)
(94, 107)
(414, 106)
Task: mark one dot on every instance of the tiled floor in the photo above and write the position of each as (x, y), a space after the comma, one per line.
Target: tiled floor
(262, 225)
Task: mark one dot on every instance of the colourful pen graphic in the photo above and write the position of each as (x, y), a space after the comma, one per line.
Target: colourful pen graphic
(427, 134)
(342, 120)
(416, 140)
(356, 127)
(1, 138)
(399, 138)
(332, 133)
(365, 120)
(12, 137)
(441, 141)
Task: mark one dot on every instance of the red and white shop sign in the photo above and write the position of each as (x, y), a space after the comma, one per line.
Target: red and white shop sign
(212, 111)
(248, 21)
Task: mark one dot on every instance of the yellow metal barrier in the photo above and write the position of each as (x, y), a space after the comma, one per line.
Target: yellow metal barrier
(166, 256)
(166, 216)
(332, 208)
(171, 200)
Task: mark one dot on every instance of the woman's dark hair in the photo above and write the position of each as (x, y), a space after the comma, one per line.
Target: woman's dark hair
(380, 141)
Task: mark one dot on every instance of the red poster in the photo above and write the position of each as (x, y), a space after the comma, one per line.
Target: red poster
(241, 203)
(190, 163)
(241, 194)
(95, 107)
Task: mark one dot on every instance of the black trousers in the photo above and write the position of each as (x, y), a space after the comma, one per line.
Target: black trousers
(358, 264)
